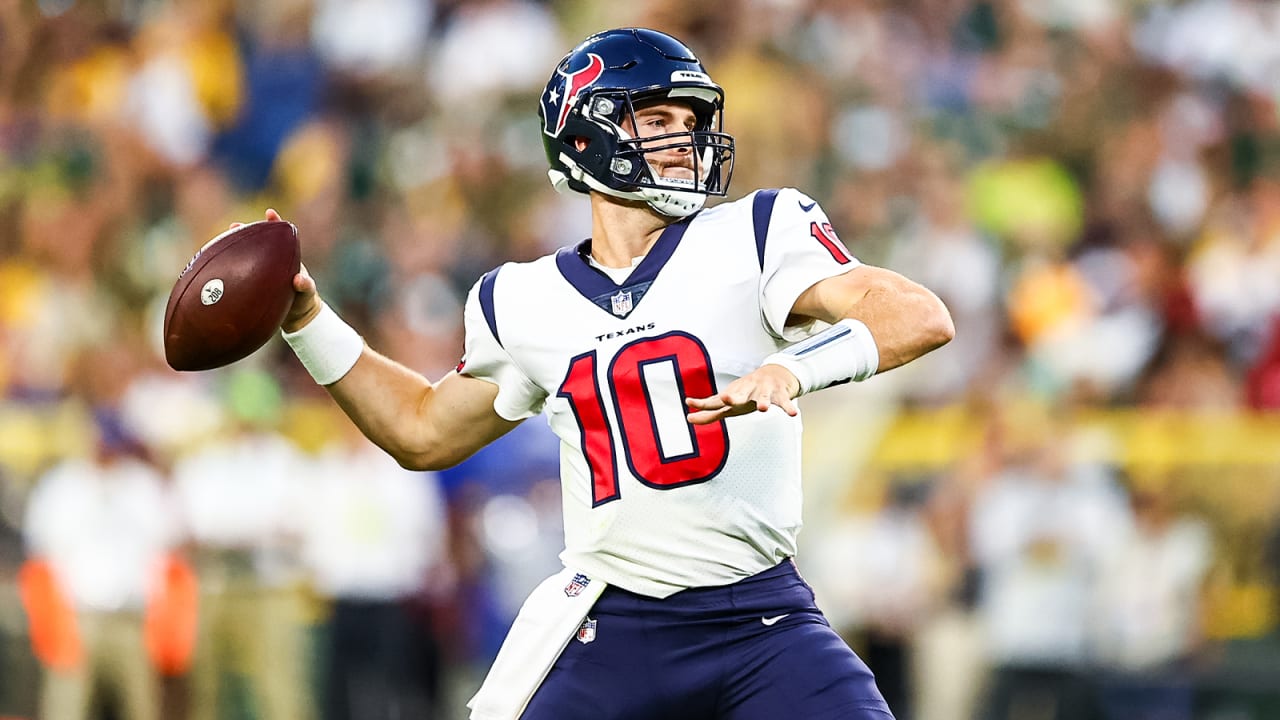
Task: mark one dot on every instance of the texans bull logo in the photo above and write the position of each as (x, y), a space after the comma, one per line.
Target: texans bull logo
(574, 83)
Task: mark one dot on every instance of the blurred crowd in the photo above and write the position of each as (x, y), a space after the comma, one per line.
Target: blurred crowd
(1070, 512)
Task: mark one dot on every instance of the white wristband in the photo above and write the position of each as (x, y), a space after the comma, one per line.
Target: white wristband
(327, 346)
(843, 352)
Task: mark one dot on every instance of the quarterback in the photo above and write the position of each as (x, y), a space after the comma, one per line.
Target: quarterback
(666, 351)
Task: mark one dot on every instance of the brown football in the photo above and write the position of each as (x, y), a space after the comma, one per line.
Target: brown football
(232, 296)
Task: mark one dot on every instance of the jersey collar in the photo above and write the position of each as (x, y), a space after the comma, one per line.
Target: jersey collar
(601, 290)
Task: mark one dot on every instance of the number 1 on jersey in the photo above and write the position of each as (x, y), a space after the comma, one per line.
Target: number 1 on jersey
(640, 418)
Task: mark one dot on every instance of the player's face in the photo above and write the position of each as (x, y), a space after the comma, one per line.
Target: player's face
(664, 118)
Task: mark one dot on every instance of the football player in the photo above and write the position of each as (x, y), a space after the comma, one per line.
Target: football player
(667, 351)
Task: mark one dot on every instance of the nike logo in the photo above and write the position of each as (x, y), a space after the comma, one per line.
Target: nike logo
(771, 620)
(807, 208)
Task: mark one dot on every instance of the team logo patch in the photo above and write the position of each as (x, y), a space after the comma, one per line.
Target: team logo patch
(577, 585)
(587, 631)
(621, 302)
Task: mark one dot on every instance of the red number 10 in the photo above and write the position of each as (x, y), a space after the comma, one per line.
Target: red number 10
(638, 417)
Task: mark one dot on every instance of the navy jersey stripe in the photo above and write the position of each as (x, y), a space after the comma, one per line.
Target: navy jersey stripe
(486, 301)
(761, 210)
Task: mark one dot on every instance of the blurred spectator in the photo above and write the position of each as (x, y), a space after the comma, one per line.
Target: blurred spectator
(510, 532)
(1232, 277)
(951, 654)
(284, 83)
(879, 572)
(103, 525)
(239, 495)
(489, 50)
(1190, 372)
(1263, 381)
(375, 544)
(940, 247)
(1235, 41)
(371, 37)
(1041, 528)
(1148, 606)
(187, 83)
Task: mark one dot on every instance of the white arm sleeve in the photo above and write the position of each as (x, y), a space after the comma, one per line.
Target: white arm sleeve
(485, 358)
(800, 250)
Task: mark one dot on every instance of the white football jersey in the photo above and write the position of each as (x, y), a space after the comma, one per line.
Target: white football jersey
(652, 503)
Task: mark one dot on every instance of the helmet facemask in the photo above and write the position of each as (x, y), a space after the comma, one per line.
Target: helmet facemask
(618, 164)
(710, 151)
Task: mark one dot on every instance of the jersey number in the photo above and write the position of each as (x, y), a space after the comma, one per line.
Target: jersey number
(639, 414)
(826, 235)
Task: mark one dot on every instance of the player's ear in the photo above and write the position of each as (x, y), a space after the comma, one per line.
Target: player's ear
(581, 143)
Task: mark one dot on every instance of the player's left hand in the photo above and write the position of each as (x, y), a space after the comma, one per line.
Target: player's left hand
(756, 392)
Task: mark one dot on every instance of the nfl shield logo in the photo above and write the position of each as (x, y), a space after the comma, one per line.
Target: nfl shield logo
(621, 302)
(576, 585)
(587, 631)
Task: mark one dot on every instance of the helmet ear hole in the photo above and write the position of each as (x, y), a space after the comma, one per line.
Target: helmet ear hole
(580, 143)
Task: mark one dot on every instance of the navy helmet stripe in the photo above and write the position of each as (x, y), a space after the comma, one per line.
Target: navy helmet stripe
(486, 301)
(761, 211)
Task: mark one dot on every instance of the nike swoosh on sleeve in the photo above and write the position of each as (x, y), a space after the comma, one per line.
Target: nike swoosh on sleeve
(771, 620)
(808, 207)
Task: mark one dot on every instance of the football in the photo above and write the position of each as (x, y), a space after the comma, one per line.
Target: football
(232, 296)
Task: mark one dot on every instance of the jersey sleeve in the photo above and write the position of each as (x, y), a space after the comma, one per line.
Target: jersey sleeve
(800, 248)
(485, 358)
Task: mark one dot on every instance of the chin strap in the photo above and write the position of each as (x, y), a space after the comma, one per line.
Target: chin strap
(672, 203)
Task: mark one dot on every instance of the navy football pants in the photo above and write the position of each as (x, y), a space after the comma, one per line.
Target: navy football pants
(758, 649)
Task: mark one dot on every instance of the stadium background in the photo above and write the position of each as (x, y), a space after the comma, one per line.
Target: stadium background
(1070, 511)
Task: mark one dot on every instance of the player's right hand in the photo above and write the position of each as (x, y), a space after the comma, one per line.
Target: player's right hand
(306, 300)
